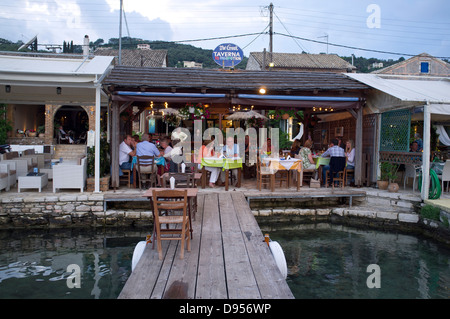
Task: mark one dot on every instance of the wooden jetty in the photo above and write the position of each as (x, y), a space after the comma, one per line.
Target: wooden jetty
(228, 259)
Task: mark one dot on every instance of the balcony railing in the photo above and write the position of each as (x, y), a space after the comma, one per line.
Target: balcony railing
(401, 157)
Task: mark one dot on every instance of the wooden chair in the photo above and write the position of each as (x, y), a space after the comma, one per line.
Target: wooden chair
(349, 171)
(282, 176)
(169, 201)
(182, 180)
(146, 168)
(126, 176)
(337, 166)
(264, 175)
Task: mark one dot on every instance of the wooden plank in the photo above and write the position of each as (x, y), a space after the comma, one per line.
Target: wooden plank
(270, 281)
(228, 218)
(161, 282)
(142, 280)
(211, 282)
(181, 283)
(241, 281)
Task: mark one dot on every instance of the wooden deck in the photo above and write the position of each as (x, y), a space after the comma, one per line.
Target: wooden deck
(228, 259)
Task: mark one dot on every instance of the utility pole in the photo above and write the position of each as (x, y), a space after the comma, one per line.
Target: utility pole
(120, 33)
(326, 36)
(271, 31)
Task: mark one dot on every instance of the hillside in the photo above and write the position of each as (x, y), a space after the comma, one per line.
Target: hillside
(177, 53)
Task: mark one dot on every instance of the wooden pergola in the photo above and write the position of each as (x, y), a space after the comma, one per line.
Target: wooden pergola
(128, 86)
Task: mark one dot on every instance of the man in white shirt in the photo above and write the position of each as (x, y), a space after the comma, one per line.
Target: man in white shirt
(168, 153)
(125, 151)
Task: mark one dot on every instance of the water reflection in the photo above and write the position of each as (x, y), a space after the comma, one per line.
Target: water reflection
(330, 261)
(33, 264)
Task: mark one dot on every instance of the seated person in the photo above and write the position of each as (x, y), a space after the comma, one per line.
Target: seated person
(207, 150)
(168, 152)
(334, 150)
(350, 154)
(63, 135)
(419, 142)
(266, 149)
(126, 152)
(230, 149)
(414, 147)
(145, 148)
(306, 156)
(295, 148)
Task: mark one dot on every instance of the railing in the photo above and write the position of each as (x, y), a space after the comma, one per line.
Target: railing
(401, 157)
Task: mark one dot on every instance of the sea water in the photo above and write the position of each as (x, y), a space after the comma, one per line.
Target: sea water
(332, 261)
(325, 261)
(43, 264)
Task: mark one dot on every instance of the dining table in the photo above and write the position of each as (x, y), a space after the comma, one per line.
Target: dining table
(320, 162)
(226, 163)
(289, 164)
(192, 204)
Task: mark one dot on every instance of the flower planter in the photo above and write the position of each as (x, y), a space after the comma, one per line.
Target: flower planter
(104, 184)
(383, 185)
(31, 134)
(285, 116)
(393, 187)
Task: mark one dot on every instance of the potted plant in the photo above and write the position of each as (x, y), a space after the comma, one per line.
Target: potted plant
(104, 166)
(392, 176)
(284, 114)
(383, 182)
(41, 131)
(193, 112)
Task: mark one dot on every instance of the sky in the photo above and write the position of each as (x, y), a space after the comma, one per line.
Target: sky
(363, 28)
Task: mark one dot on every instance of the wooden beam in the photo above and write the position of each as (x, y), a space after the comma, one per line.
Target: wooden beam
(358, 146)
(115, 140)
(124, 106)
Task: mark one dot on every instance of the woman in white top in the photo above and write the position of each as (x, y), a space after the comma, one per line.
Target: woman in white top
(350, 154)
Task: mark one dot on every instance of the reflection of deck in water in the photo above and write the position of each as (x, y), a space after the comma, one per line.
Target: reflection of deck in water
(228, 258)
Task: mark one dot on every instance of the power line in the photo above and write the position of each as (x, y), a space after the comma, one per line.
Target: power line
(352, 47)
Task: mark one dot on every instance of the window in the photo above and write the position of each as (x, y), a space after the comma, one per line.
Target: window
(424, 67)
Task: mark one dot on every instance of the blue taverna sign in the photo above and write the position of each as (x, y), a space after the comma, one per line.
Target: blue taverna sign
(228, 55)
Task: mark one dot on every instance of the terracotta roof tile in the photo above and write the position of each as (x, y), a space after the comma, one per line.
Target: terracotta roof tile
(137, 58)
(303, 61)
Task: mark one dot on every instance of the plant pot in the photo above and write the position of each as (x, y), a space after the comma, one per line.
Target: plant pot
(31, 134)
(383, 185)
(285, 116)
(393, 187)
(104, 184)
(42, 135)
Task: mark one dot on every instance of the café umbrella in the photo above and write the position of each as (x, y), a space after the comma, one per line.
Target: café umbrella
(246, 116)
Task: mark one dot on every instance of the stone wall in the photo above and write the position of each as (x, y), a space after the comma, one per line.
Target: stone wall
(55, 211)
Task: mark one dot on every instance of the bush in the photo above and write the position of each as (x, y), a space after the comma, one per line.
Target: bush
(430, 212)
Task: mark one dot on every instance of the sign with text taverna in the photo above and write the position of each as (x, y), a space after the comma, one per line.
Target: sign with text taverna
(228, 55)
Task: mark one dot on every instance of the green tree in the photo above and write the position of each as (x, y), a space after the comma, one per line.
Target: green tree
(5, 125)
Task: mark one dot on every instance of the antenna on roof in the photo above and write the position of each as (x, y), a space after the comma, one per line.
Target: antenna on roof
(33, 43)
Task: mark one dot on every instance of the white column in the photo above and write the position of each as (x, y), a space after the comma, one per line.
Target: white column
(426, 151)
(97, 138)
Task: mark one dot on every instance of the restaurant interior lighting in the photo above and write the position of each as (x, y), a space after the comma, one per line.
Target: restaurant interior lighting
(262, 91)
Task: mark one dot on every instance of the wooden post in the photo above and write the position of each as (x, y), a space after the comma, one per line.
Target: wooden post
(115, 139)
(358, 146)
(358, 115)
